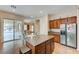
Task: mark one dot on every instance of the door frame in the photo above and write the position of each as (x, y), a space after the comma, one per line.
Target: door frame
(14, 20)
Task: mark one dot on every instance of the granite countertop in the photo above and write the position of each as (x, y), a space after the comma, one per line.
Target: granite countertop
(38, 39)
(56, 33)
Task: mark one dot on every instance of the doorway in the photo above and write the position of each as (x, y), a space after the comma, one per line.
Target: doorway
(12, 30)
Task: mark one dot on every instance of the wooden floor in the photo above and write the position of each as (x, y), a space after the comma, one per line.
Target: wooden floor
(13, 48)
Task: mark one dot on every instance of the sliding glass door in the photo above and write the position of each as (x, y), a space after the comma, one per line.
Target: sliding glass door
(18, 30)
(8, 30)
(12, 30)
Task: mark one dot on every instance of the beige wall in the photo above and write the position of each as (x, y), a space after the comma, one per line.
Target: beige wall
(4, 14)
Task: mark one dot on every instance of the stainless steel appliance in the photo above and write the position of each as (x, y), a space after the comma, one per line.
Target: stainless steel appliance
(68, 35)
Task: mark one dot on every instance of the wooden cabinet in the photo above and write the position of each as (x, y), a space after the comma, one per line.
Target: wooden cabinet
(45, 48)
(72, 19)
(50, 33)
(49, 25)
(58, 23)
(68, 20)
(63, 21)
(56, 36)
(52, 45)
(54, 24)
(48, 47)
(40, 49)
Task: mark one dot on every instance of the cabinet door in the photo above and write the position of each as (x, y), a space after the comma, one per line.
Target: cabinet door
(72, 19)
(52, 24)
(55, 24)
(49, 25)
(48, 47)
(40, 49)
(63, 21)
(52, 45)
(58, 23)
(57, 38)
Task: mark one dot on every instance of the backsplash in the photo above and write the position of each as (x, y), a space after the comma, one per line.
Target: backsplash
(54, 30)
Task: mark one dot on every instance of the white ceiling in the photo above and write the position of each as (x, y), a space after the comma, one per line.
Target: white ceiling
(34, 10)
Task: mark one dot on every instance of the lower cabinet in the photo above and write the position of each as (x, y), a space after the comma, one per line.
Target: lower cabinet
(52, 46)
(45, 48)
(40, 49)
(48, 47)
(57, 38)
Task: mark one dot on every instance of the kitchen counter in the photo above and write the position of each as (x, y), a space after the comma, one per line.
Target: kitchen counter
(42, 44)
(56, 36)
(38, 40)
(54, 33)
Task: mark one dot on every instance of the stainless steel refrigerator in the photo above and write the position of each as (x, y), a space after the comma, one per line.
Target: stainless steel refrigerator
(68, 35)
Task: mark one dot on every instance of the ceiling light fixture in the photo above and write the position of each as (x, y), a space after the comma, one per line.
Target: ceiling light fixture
(13, 8)
(31, 16)
(41, 12)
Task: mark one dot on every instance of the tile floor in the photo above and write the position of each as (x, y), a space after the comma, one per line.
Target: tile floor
(61, 49)
(11, 47)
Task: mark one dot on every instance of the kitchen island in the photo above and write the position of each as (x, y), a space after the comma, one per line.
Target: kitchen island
(42, 44)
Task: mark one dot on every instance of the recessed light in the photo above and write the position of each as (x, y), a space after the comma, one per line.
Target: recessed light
(31, 16)
(41, 12)
(13, 10)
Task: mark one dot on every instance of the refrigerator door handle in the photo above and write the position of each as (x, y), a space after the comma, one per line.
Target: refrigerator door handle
(63, 32)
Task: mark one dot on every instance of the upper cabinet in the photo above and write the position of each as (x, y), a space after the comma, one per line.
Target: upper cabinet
(49, 25)
(58, 23)
(52, 24)
(55, 24)
(63, 21)
(72, 19)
